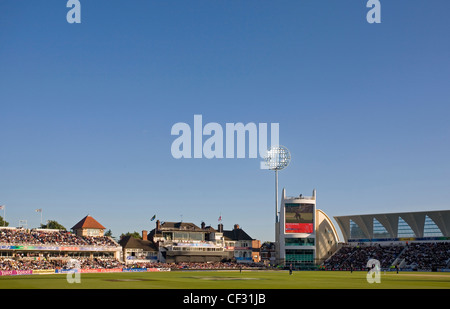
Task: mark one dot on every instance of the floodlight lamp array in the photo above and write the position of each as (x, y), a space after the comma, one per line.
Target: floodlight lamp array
(277, 158)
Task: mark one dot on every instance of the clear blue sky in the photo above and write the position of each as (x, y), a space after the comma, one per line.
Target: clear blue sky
(86, 109)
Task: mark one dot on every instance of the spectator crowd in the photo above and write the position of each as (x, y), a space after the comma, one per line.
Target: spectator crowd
(43, 261)
(426, 255)
(8, 263)
(59, 238)
(416, 256)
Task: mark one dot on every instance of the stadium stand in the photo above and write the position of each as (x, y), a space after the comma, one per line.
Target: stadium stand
(45, 249)
(51, 237)
(50, 249)
(349, 257)
(406, 241)
(423, 256)
(187, 246)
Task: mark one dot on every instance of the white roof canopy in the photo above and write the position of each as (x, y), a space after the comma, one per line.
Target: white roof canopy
(390, 222)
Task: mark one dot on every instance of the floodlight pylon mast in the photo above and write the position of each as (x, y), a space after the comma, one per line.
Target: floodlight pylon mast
(276, 196)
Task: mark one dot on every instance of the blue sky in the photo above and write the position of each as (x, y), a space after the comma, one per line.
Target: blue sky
(86, 109)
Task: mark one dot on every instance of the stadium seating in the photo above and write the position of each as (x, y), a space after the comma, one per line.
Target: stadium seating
(423, 256)
(415, 256)
(37, 237)
(36, 260)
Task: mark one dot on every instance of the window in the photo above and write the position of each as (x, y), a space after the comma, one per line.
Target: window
(404, 230)
(299, 241)
(431, 229)
(167, 235)
(379, 231)
(355, 231)
(188, 236)
(92, 232)
(299, 258)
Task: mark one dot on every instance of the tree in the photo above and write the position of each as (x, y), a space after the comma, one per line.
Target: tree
(134, 234)
(3, 222)
(108, 233)
(52, 224)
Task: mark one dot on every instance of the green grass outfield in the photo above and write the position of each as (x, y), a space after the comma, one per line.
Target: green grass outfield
(231, 280)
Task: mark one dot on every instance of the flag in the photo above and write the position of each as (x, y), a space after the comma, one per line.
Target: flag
(2, 207)
(39, 210)
(220, 218)
(153, 218)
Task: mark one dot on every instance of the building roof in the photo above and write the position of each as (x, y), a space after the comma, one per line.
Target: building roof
(180, 226)
(390, 222)
(88, 223)
(129, 241)
(176, 226)
(236, 234)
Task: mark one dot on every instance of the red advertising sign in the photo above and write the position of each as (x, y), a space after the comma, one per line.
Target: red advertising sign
(299, 228)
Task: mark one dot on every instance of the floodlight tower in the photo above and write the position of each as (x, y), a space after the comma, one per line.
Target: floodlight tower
(277, 158)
